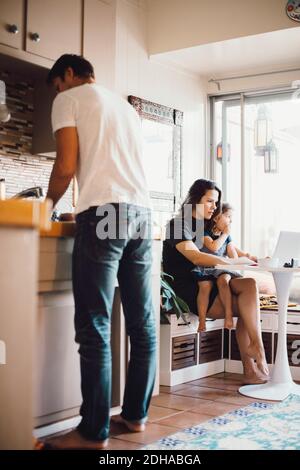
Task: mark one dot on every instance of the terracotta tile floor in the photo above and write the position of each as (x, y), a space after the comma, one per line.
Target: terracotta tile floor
(182, 406)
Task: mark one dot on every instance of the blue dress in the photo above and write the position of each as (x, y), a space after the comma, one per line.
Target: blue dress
(202, 273)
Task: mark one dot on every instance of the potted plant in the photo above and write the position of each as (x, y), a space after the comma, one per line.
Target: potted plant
(170, 302)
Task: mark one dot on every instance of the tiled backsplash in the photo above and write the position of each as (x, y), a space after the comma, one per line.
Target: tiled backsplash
(16, 134)
(20, 169)
(27, 171)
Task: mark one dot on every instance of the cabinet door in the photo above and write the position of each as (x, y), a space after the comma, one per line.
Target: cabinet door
(210, 346)
(184, 351)
(54, 27)
(99, 39)
(11, 23)
(57, 372)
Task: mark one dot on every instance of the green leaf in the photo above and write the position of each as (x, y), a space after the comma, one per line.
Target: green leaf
(183, 305)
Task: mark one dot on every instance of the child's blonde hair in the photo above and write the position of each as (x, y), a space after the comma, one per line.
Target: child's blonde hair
(225, 207)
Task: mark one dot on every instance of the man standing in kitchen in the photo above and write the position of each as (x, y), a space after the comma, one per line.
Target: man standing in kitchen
(98, 139)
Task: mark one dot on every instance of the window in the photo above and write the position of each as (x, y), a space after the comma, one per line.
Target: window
(255, 159)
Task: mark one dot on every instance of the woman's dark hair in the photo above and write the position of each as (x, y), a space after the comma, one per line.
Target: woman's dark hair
(81, 67)
(198, 189)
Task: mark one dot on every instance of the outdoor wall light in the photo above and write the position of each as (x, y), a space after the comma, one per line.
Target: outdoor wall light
(263, 131)
(271, 158)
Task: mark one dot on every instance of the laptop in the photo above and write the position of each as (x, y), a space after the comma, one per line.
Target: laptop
(288, 247)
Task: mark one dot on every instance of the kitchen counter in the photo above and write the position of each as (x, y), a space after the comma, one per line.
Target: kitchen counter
(59, 229)
(27, 214)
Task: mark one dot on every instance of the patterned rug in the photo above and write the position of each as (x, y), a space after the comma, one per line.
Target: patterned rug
(266, 426)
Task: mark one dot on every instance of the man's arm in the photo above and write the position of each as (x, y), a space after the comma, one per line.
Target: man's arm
(64, 167)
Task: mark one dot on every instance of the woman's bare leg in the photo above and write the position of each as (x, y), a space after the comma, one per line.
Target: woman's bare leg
(226, 298)
(248, 307)
(204, 289)
(251, 373)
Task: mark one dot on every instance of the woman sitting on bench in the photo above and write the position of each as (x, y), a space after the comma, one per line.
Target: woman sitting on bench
(181, 253)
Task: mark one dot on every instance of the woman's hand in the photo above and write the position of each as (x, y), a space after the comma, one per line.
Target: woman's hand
(253, 258)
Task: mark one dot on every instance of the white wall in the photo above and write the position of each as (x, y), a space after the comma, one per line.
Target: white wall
(177, 24)
(138, 75)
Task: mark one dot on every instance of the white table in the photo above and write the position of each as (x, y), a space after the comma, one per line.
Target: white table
(281, 383)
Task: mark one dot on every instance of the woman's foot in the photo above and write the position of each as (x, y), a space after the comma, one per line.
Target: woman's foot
(253, 378)
(258, 353)
(133, 426)
(74, 440)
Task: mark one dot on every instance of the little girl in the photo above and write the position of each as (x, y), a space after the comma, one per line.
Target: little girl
(218, 242)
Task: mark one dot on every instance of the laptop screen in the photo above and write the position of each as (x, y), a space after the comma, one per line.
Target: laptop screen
(288, 247)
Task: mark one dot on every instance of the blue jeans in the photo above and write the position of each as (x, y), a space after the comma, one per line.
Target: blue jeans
(97, 262)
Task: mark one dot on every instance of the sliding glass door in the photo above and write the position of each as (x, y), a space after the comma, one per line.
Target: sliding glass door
(226, 160)
(256, 160)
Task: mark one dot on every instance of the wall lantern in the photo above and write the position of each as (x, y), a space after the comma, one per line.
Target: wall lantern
(271, 158)
(263, 131)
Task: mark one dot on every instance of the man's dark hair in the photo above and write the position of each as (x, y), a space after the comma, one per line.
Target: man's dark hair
(81, 67)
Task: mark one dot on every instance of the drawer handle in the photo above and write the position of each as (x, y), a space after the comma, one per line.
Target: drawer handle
(13, 28)
(184, 345)
(291, 323)
(35, 37)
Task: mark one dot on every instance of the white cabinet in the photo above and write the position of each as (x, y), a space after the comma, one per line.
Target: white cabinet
(54, 27)
(57, 373)
(12, 23)
(186, 355)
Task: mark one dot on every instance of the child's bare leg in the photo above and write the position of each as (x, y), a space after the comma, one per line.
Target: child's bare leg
(226, 298)
(204, 289)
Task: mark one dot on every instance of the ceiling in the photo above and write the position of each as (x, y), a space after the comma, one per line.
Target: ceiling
(262, 52)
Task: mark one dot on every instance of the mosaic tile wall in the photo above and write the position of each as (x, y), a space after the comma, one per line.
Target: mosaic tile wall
(16, 134)
(18, 166)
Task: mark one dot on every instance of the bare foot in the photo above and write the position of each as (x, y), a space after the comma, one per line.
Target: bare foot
(133, 426)
(253, 378)
(228, 323)
(258, 353)
(74, 440)
(201, 326)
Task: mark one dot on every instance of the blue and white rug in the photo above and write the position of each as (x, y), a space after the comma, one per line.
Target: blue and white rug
(265, 426)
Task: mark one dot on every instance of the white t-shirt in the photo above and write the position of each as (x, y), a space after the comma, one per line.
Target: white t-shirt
(110, 145)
